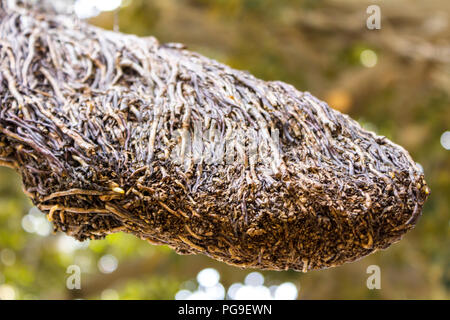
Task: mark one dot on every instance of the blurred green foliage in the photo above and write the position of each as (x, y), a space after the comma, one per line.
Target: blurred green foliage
(316, 46)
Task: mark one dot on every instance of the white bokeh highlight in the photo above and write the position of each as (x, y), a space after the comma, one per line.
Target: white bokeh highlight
(85, 9)
(445, 140)
(36, 222)
(7, 292)
(286, 291)
(108, 263)
(254, 279)
(69, 245)
(208, 277)
(253, 288)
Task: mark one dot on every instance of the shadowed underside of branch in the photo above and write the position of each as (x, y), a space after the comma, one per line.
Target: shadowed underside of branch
(112, 132)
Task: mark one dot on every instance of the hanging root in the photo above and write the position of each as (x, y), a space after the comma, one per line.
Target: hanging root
(112, 132)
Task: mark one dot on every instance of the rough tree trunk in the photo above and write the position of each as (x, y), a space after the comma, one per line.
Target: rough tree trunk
(112, 132)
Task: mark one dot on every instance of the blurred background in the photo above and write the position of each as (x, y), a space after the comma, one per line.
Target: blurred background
(394, 81)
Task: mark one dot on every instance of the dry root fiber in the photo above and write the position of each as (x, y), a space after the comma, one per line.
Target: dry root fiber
(111, 132)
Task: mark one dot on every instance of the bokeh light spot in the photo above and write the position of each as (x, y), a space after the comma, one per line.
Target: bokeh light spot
(253, 293)
(183, 294)
(7, 257)
(7, 292)
(233, 289)
(108, 263)
(254, 279)
(109, 294)
(68, 244)
(90, 8)
(216, 292)
(286, 291)
(445, 140)
(368, 58)
(208, 277)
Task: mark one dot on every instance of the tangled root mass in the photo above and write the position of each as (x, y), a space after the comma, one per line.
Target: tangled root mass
(112, 132)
